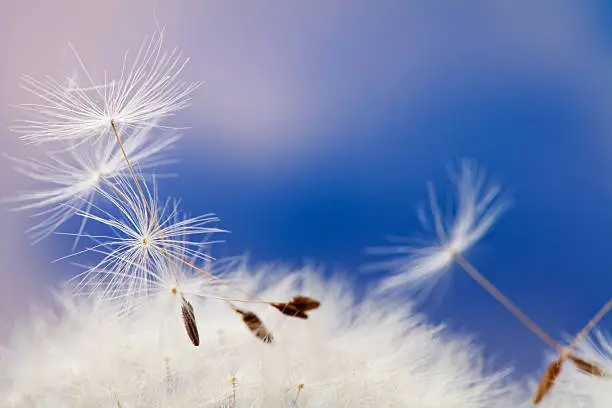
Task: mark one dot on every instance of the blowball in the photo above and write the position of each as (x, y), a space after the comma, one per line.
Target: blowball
(348, 353)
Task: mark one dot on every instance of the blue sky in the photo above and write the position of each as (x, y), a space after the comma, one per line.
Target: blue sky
(548, 252)
(320, 123)
(535, 121)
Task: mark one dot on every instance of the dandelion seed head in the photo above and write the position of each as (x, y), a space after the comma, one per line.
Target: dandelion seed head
(349, 353)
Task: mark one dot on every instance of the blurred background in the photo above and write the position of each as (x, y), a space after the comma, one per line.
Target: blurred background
(319, 124)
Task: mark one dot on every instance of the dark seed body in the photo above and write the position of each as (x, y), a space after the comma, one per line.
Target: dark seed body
(190, 322)
(290, 310)
(586, 367)
(304, 303)
(256, 326)
(548, 380)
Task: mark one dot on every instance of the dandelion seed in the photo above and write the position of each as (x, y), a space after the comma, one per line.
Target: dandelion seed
(589, 382)
(586, 367)
(548, 380)
(289, 310)
(71, 183)
(137, 248)
(255, 325)
(145, 93)
(478, 206)
(297, 307)
(190, 322)
(305, 303)
(583, 366)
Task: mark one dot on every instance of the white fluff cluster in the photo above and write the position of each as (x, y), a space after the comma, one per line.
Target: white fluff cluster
(369, 353)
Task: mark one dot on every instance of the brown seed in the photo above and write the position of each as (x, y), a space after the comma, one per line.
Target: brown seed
(586, 367)
(190, 322)
(305, 303)
(290, 310)
(548, 380)
(256, 326)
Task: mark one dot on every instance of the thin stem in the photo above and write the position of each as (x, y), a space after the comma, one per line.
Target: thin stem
(151, 215)
(210, 275)
(140, 190)
(297, 395)
(264, 302)
(602, 312)
(154, 222)
(127, 161)
(497, 294)
(233, 392)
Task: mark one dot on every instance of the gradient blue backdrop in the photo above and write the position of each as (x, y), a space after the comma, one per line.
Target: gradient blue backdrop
(536, 129)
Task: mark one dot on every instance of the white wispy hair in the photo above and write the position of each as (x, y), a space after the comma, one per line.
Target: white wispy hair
(172, 279)
(143, 239)
(477, 207)
(576, 389)
(145, 93)
(349, 353)
(71, 179)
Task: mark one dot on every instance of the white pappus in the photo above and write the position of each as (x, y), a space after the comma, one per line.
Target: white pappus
(69, 180)
(146, 92)
(348, 354)
(476, 207)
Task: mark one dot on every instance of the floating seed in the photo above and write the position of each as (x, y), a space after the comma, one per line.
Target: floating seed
(256, 326)
(586, 367)
(548, 380)
(190, 322)
(305, 303)
(290, 310)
